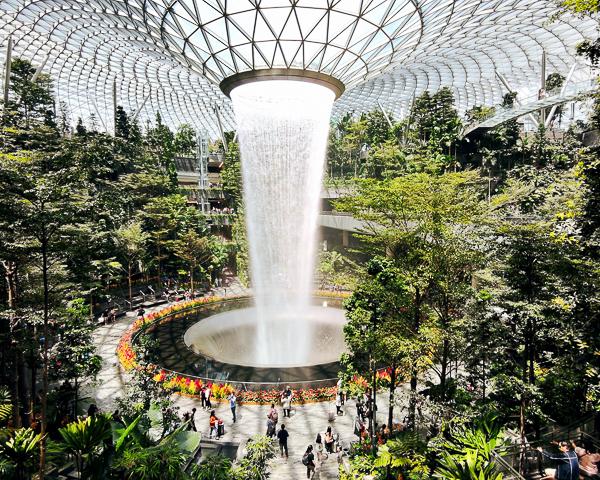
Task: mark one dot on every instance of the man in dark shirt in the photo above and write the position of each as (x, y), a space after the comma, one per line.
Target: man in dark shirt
(567, 467)
(283, 435)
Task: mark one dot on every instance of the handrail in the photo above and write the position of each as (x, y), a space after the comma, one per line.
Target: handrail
(506, 468)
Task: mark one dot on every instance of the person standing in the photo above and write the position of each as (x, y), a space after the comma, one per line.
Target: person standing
(193, 420)
(207, 395)
(338, 403)
(282, 436)
(203, 397)
(286, 402)
(308, 460)
(567, 467)
(232, 399)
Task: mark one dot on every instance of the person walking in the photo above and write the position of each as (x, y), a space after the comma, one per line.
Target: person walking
(282, 436)
(212, 423)
(308, 460)
(329, 440)
(274, 416)
(232, 399)
(319, 441)
(567, 463)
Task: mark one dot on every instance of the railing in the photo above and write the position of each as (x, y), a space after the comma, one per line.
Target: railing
(508, 472)
(532, 103)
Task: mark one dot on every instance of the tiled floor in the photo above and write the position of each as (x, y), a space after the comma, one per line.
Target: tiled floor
(306, 420)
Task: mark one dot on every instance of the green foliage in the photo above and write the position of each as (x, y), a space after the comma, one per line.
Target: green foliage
(231, 176)
(83, 438)
(74, 355)
(214, 467)
(254, 466)
(405, 455)
(466, 452)
(20, 451)
(157, 462)
(579, 7)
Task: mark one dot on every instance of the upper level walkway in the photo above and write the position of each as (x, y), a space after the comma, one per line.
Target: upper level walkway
(551, 99)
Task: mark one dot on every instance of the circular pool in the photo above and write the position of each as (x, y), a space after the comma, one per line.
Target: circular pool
(218, 341)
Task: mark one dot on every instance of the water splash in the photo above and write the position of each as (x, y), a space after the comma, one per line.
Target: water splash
(282, 129)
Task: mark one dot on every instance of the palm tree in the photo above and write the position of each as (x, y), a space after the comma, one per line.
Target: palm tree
(82, 438)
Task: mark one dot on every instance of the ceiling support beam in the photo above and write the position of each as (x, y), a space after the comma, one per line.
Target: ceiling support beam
(40, 68)
(562, 92)
(385, 114)
(138, 111)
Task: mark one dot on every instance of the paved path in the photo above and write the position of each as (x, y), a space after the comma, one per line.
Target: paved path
(306, 420)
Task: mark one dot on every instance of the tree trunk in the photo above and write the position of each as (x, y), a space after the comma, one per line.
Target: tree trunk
(392, 390)
(129, 284)
(192, 281)
(374, 413)
(522, 455)
(44, 396)
(158, 264)
(10, 269)
(412, 404)
(444, 365)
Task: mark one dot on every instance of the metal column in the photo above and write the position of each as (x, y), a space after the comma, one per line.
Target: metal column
(7, 69)
(202, 157)
(543, 88)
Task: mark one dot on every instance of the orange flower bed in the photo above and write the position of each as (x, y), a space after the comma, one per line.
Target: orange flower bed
(191, 386)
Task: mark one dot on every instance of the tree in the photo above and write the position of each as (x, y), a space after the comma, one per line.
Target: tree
(382, 331)
(161, 142)
(131, 240)
(424, 225)
(74, 352)
(231, 176)
(31, 101)
(194, 250)
(185, 139)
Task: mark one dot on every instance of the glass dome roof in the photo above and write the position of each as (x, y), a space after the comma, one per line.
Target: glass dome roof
(170, 55)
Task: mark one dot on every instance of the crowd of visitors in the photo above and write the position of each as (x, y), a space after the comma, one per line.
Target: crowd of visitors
(571, 462)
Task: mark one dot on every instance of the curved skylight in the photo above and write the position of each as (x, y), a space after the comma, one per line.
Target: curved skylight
(170, 55)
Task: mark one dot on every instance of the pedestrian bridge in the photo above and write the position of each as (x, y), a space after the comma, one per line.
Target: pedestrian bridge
(552, 99)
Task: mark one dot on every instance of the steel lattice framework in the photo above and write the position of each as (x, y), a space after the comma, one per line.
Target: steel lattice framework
(170, 55)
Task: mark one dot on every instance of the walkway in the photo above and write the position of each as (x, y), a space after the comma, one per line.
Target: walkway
(303, 426)
(533, 104)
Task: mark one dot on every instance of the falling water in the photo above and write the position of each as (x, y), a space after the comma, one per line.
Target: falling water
(282, 128)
